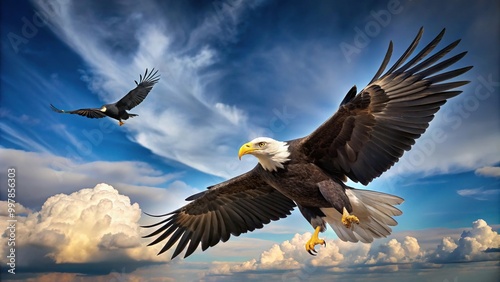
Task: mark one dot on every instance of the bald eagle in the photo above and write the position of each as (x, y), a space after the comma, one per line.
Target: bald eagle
(365, 137)
(119, 109)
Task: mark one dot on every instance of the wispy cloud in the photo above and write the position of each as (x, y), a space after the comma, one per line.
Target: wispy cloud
(489, 171)
(480, 194)
(21, 139)
(179, 119)
(441, 150)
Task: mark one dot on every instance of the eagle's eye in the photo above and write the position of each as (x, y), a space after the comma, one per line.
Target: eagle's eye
(261, 144)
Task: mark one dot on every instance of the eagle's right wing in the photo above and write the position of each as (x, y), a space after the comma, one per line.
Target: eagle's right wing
(238, 205)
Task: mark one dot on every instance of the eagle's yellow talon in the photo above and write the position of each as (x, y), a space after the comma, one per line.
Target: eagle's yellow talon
(348, 219)
(121, 123)
(314, 241)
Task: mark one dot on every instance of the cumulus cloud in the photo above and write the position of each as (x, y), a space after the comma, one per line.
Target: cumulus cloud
(291, 255)
(488, 171)
(20, 209)
(471, 246)
(476, 244)
(91, 226)
(395, 252)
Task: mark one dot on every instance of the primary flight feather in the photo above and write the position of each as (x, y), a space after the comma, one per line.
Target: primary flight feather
(365, 137)
(119, 109)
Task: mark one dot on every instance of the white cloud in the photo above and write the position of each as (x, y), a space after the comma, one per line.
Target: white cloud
(90, 225)
(395, 252)
(233, 114)
(471, 245)
(48, 175)
(20, 209)
(339, 257)
(291, 255)
(18, 138)
(488, 171)
(445, 148)
(480, 193)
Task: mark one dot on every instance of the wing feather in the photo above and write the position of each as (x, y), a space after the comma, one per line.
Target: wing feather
(407, 53)
(373, 129)
(139, 93)
(197, 235)
(233, 207)
(89, 113)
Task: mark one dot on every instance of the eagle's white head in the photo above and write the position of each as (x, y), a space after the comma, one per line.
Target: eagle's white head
(271, 154)
(103, 109)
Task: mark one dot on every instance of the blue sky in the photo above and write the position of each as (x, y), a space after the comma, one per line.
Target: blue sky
(231, 71)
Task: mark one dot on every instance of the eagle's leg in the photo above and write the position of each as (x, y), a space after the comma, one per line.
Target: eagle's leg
(120, 122)
(348, 219)
(314, 241)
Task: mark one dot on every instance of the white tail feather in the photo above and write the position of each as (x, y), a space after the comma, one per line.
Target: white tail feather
(374, 211)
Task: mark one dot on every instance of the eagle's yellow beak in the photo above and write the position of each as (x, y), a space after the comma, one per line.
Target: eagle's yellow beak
(247, 148)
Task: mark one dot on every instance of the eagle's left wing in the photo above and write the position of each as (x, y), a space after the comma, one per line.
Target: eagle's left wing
(371, 130)
(138, 94)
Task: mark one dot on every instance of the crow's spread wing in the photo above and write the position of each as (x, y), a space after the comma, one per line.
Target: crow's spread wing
(90, 113)
(138, 94)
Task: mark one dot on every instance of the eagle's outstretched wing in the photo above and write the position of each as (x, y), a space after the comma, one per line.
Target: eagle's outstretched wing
(90, 113)
(371, 130)
(238, 205)
(138, 94)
